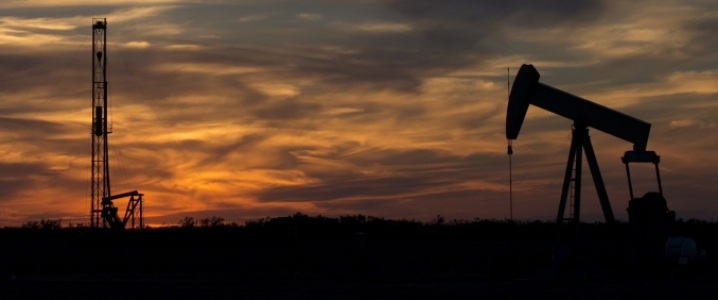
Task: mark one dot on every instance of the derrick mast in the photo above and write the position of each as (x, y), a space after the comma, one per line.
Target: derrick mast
(103, 213)
(100, 169)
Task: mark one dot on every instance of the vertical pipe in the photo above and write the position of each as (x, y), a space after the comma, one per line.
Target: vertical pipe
(141, 217)
(511, 188)
(106, 161)
(510, 151)
(582, 133)
(132, 199)
(658, 175)
(630, 184)
(94, 222)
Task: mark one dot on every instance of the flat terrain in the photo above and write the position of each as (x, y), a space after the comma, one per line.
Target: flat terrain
(317, 258)
(339, 289)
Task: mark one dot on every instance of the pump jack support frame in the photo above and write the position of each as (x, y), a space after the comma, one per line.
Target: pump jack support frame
(581, 142)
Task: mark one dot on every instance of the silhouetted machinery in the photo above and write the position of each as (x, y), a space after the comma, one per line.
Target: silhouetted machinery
(109, 211)
(102, 211)
(649, 215)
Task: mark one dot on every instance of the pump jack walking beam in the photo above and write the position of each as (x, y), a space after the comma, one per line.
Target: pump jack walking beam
(527, 90)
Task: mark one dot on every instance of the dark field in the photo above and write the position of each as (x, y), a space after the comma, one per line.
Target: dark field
(316, 257)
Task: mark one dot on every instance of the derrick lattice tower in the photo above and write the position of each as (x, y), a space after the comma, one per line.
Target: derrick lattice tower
(103, 213)
(100, 174)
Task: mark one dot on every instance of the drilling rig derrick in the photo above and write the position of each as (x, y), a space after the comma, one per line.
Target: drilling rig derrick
(103, 213)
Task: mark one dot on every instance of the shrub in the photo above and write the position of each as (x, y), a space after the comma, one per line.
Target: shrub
(187, 222)
(43, 224)
(211, 222)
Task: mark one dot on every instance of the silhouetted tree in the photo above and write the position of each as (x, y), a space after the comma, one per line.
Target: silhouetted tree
(43, 224)
(31, 225)
(187, 222)
(211, 222)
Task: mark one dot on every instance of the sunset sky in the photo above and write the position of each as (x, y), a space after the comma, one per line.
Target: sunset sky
(390, 108)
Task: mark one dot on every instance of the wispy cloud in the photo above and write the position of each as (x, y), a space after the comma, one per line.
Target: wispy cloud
(186, 47)
(378, 27)
(309, 16)
(137, 44)
(39, 23)
(677, 83)
(252, 18)
(60, 3)
(35, 32)
(700, 124)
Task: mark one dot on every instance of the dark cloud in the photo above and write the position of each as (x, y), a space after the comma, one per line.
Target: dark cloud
(288, 109)
(43, 75)
(58, 11)
(702, 32)
(552, 11)
(460, 24)
(16, 65)
(472, 120)
(396, 157)
(34, 127)
(359, 188)
(444, 36)
(17, 178)
(217, 154)
(19, 181)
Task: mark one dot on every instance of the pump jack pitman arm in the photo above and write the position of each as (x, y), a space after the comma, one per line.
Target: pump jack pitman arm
(527, 90)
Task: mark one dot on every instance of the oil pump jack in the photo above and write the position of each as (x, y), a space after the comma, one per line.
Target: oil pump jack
(527, 90)
(103, 213)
